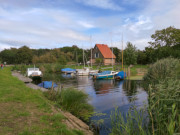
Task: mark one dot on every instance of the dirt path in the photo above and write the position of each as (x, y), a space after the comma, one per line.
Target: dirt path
(72, 122)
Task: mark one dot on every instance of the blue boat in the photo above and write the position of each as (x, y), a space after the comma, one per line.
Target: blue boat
(47, 84)
(68, 70)
(120, 76)
(105, 75)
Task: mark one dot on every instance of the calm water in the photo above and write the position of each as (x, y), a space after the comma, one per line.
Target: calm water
(105, 95)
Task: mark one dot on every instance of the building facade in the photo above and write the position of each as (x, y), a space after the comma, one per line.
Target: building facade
(103, 52)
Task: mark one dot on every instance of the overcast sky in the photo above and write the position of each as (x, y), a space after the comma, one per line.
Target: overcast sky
(58, 23)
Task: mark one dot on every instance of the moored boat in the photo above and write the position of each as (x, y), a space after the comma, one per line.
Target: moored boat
(105, 75)
(47, 84)
(83, 72)
(33, 72)
(120, 76)
(68, 70)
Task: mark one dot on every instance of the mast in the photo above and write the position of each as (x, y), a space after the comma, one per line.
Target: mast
(83, 57)
(112, 50)
(91, 49)
(122, 50)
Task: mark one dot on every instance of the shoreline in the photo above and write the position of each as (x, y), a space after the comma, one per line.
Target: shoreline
(71, 121)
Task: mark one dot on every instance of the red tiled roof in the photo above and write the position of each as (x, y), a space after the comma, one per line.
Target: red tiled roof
(105, 51)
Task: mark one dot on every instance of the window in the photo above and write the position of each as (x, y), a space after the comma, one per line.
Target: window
(96, 55)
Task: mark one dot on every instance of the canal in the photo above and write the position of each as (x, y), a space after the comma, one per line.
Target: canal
(104, 95)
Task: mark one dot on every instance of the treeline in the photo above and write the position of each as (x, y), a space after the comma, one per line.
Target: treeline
(165, 43)
(25, 55)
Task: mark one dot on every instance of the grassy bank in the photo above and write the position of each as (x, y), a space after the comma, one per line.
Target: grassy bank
(72, 100)
(26, 111)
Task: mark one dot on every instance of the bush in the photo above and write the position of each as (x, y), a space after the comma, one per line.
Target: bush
(162, 69)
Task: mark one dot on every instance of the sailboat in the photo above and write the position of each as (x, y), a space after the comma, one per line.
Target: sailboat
(121, 75)
(85, 70)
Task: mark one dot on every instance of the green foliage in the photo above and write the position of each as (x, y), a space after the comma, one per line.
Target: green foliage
(141, 57)
(130, 124)
(8, 55)
(130, 54)
(99, 61)
(72, 100)
(117, 53)
(166, 37)
(164, 107)
(162, 69)
(24, 55)
(164, 93)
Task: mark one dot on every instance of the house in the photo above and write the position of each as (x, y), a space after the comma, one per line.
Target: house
(104, 52)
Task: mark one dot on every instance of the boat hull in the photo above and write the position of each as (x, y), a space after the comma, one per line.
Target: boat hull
(103, 76)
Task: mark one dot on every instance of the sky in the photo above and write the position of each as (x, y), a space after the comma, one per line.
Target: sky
(59, 23)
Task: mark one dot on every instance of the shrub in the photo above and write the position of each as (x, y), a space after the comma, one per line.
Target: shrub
(162, 69)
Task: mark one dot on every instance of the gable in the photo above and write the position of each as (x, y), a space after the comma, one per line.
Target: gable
(105, 51)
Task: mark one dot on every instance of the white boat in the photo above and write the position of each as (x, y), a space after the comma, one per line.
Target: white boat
(83, 72)
(93, 72)
(33, 72)
(105, 75)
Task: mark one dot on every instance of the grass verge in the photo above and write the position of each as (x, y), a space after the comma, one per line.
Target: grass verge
(26, 111)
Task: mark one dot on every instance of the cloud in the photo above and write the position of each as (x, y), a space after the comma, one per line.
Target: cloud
(104, 4)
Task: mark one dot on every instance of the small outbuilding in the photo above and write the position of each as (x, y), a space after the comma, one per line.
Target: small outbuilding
(104, 52)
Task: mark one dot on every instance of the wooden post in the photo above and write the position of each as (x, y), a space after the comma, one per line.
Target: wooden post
(129, 72)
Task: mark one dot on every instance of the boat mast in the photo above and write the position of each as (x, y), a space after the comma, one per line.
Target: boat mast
(122, 51)
(112, 49)
(83, 57)
(91, 49)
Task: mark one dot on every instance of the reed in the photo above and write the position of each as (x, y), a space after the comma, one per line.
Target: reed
(164, 104)
(132, 123)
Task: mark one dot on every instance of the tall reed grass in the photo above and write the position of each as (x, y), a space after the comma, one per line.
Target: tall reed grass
(132, 123)
(164, 103)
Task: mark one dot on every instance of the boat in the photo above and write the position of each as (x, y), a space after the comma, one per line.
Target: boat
(47, 84)
(68, 70)
(93, 72)
(120, 76)
(33, 72)
(105, 75)
(83, 72)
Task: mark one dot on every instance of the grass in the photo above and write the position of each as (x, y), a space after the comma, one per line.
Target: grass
(132, 123)
(72, 100)
(25, 111)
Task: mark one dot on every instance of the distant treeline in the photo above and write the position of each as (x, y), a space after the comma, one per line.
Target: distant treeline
(165, 43)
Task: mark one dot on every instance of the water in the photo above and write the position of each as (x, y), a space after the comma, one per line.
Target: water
(105, 95)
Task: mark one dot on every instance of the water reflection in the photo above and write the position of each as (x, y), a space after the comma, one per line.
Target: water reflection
(104, 95)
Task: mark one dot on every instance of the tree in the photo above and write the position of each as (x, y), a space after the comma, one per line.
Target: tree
(130, 54)
(8, 55)
(166, 37)
(141, 57)
(24, 55)
(117, 53)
